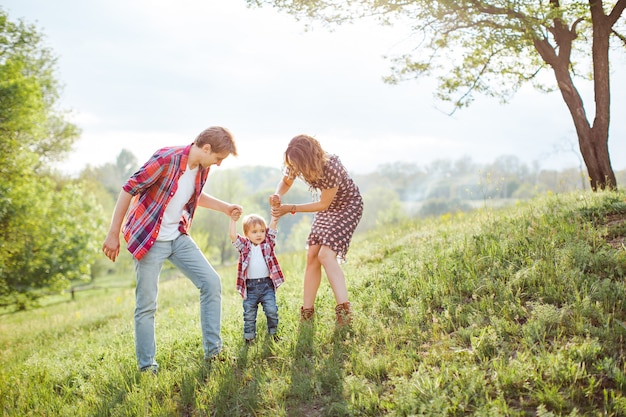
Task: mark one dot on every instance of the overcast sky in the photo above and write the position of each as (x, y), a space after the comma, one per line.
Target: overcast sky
(142, 74)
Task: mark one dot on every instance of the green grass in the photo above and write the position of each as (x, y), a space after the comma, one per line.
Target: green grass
(518, 311)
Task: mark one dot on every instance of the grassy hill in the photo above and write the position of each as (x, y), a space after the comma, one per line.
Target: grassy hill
(518, 311)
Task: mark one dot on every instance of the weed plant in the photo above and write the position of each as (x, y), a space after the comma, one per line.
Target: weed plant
(518, 311)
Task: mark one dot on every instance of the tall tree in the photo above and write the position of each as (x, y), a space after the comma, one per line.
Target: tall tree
(30, 120)
(46, 227)
(497, 46)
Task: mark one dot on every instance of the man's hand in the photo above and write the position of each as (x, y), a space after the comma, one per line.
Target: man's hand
(111, 247)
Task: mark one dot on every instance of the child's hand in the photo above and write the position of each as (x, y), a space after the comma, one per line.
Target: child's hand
(274, 200)
(235, 214)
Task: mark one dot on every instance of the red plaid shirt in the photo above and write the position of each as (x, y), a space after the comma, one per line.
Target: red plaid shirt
(243, 245)
(153, 185)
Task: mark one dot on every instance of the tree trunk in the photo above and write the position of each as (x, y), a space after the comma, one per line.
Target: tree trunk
(592, 140)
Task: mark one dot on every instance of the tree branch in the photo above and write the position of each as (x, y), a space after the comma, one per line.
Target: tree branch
(616, 12)
(546, 51)
(472, 87)
(573, 28)
(619, 36)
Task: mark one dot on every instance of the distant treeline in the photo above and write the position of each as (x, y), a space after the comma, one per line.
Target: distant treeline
(392, 192)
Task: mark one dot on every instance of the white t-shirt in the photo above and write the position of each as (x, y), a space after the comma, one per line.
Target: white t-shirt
(257, 268)
(174, 210)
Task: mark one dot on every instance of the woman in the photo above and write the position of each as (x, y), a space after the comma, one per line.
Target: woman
(337, 214)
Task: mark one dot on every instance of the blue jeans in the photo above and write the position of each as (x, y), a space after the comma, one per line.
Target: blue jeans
(260, 291)
(184, 254)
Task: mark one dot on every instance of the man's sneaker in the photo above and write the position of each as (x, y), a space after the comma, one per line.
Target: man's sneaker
(222, 356)
(152, 369)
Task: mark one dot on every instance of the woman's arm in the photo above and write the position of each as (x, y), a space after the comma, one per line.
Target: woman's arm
(275, 199)
(284, 185)
(326, 198)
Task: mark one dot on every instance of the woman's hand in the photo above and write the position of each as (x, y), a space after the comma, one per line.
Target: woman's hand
(280, 210)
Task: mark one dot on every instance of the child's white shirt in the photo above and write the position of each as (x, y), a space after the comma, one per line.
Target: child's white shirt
(257, 268)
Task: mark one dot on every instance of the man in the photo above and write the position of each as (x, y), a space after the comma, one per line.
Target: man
(163, 195)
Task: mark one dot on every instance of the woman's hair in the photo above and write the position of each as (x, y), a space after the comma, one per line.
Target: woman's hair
(305, 157)
(220, 139)
(252, 220)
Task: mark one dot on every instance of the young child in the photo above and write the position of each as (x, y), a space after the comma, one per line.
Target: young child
(258, 272)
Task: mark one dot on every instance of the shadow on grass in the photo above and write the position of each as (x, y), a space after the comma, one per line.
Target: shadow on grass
(220, 388)
(317, 376)
(227, 398)
(116, 392)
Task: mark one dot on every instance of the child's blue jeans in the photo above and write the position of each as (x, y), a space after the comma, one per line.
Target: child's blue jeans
(259, 291)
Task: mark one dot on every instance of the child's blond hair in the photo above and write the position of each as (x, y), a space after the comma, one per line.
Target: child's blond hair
(252, 220)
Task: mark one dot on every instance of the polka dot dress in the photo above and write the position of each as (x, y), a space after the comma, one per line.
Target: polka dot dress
(335, 226)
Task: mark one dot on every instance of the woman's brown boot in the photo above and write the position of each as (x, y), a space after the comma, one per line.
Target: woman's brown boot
(306, 314)
(343, 313)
